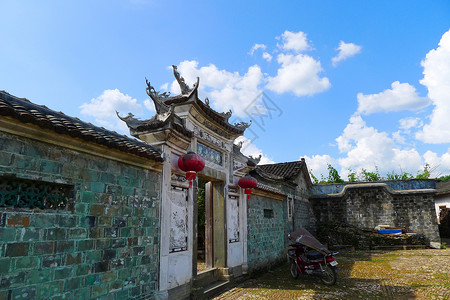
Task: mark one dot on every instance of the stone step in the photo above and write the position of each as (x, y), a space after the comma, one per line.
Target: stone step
(205, 278)
(215, 289)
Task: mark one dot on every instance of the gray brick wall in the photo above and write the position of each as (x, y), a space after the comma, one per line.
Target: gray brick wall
(372, 206)
(105, 244)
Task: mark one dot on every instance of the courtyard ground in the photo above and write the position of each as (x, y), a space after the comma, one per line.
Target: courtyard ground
(405, 274)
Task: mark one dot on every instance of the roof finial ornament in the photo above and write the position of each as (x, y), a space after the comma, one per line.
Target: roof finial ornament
(158, 99)
(185, 89)
(243, 125)
(207, 101)
(258, 158)
(131, 122)
(227, 114)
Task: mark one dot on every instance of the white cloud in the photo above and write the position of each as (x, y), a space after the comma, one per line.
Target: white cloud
(440, 165)
(296, 41)
(250, 149)
(366, 147)
(405, 127)
(267, 56)
(256, 47)
(104, 107)
(165, 86)
(402, 96)
(437, 79)
(226, 90)
(408, 123)
(346, 50)
(298, 74)
(149, 105)
(318, 164)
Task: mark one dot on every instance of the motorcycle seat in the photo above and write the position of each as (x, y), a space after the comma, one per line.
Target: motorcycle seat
(314, 256)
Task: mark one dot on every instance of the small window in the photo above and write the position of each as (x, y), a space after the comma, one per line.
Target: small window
(31, 194)
(290, 207)
(268, 213)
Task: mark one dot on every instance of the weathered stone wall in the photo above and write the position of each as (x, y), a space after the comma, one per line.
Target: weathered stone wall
(367, 206)
(304, 215)
(105, 244)
(265, 238)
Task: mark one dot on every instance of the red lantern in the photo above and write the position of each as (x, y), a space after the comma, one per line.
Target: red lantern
(191, 163)
(248, 183)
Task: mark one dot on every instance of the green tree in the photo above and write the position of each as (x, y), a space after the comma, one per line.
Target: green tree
(351, 176)
(333, 175)
(371, 176)
(425, 174)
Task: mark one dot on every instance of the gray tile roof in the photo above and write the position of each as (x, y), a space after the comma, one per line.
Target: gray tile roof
(40, 115)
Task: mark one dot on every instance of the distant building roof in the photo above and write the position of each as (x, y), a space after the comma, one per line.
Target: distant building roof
(283, 171)
(27, 112)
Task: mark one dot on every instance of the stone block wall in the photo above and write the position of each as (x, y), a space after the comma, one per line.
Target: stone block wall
(104, 244)
(304, 215)
(266, 231)
(367, 206)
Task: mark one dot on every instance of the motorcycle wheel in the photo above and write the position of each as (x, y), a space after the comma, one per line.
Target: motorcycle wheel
(329, 276)
(294, 270)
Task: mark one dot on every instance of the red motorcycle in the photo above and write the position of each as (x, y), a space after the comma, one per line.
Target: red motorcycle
(308, 256)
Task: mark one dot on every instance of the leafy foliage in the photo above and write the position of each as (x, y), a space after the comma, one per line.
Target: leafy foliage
(365, 175)
(425, 174)
(314, 178)
(402, 176)
(371, 176)
(352, 176)
(201, 209)
(444, 178)
(333, 175)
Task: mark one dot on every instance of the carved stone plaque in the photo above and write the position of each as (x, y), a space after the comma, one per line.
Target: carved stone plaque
(178, 219)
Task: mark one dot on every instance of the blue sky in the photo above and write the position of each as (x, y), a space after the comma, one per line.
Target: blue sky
(357, 84)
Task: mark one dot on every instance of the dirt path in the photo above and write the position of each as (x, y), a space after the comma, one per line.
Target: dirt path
(410, 274)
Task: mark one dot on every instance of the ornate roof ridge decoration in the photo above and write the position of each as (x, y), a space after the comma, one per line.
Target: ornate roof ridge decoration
(242, 125)
(162, 101)
(204, 114)
(257, 159)
(134, 123)
(28, 112)
(185, 89)
(225, 115)
(222, 118)
(158, 121)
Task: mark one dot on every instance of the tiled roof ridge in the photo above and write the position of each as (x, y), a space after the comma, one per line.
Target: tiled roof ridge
(28, 112)
(285, 170)
(267, 175)
(283, 163)
(268, 188)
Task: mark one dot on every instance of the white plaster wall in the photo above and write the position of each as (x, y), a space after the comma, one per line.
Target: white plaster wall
(234, 254)
(441, 202)
(180, 268)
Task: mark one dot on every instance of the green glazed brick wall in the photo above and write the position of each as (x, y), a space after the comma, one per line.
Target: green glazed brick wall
(104, 246)
(265, 237)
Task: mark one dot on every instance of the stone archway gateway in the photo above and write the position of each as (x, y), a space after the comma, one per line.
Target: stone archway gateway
(185, 123)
